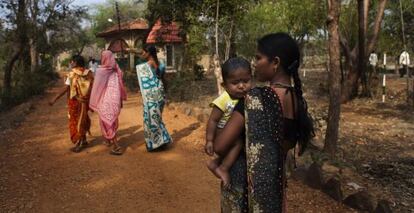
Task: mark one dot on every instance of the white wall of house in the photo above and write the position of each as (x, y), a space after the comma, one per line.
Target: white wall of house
(171, 56)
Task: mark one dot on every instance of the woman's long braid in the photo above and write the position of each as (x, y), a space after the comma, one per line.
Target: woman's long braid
(157, 70)
(298, 84)
(152, 50)
(284, 47)
(155, 57)
(293, 69)
(302, 114)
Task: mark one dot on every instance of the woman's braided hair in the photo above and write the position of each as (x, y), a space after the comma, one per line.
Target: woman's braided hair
(284, 47)
(152, 50)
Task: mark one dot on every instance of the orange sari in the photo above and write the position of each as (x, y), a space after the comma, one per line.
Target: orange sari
(78, 103)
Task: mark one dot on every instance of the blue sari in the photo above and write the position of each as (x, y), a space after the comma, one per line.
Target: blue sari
(152, 91)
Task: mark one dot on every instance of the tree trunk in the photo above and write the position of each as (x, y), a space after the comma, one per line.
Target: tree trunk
(34, 55)
(217, 74)
(80, 51)
(362, 29)
(21, 41)
(377, 25)
(55, 64)
(410, 92)
(357, 68)
(331, 137)
(217, 68)
(229, 39)
(8, 68)
(33, 7)
(217, 25)
(350, 83)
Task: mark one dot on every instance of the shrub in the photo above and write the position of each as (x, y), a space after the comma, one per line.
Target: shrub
(27, 84)
(65, 62)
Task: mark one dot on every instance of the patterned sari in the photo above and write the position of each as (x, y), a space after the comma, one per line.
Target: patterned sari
(257, 177)
(80, 84)
(152, 91)
(107, 95)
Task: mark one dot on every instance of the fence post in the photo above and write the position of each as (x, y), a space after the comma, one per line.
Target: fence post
(383, 87)
(410, 92)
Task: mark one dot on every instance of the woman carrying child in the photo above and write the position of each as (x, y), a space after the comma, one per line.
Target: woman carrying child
(273, 119)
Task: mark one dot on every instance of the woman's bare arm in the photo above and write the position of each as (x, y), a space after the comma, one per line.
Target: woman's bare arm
(60, 94)
(231, 132)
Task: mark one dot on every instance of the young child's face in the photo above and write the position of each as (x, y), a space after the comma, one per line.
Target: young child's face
(238, 83)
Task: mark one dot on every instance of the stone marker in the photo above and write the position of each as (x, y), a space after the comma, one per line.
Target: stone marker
(360, 201)
(333, 189)
(314, 176)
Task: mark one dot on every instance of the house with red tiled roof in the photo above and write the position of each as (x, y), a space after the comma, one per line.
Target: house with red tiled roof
(166, 36)
(126, 41)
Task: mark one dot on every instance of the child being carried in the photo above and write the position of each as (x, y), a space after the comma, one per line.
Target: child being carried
(237, 77)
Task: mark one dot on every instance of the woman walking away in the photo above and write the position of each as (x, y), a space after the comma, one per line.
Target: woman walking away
(78, 88)
(107, 95)
(274, 119)
(151, 82)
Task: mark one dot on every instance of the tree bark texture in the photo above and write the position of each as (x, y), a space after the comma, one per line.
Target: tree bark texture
(410, 92)
(34, 55)
(331, 137)
(217, 68)
(217, 74)
(217, 25)
(356, 65)
(377, 26)
(362, 29)
(228, 39)
(20, 42)
(8, 68)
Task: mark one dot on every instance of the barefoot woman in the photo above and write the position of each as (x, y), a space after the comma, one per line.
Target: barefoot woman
(274, 118)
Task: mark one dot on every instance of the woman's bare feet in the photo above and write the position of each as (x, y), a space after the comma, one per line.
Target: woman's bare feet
(223, 175)
(212, 165)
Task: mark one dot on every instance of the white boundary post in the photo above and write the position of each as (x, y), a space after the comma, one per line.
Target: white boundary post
(383, 87)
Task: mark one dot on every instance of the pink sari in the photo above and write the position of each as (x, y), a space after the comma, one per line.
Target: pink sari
(107, 94)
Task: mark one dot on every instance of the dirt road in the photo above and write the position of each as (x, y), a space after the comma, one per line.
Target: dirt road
(40, 174)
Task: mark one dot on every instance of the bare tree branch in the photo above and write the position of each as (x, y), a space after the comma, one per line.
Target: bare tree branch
(345, 46)
(52, 13)
(377, 25)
